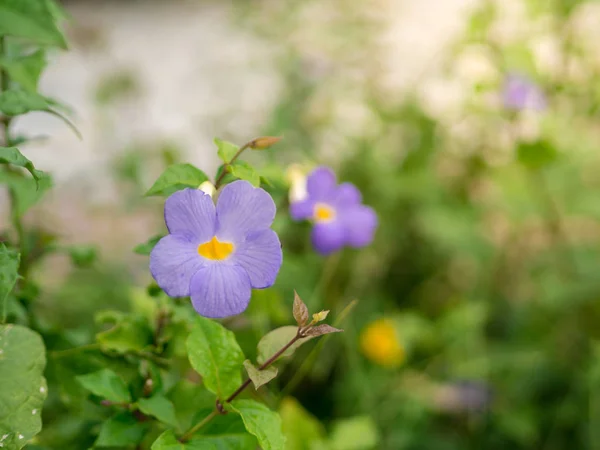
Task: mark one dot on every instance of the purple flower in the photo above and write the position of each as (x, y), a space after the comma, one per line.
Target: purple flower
(338, 215)
(218, 254)
(521, 93)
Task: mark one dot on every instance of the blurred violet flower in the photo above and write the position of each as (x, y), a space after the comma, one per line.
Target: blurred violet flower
(217, 255)
(465, 396)
(338, 215)
(520, 93)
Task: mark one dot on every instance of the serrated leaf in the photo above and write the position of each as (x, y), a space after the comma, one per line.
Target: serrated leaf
(244, 171)
(106, 384)
(261, 422)
(168, 441)
(146, 247)
(9, 274)
(12, 155)
(34, 20)
(259, 377)
(25, 70)
(26, 192)
(160, 407)
(121, 430)
(320, 330)
(175, 178)
(536, 155)
(226, 150)
(129, 334)
(273, 341)
(215, 354)
(22, 385)
(300, 310)
(357, 433)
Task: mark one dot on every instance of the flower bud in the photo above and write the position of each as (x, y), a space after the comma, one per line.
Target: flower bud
(264, 142)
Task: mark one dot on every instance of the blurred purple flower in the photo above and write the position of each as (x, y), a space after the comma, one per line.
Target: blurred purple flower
(465, 396)
(218, 254)
(338, 215)
(521, 93)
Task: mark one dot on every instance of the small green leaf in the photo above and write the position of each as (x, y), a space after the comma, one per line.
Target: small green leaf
(273, 341)
(9, 274)
(146, 247)
(215, 354)
(12, 155)
(25, 70)
(226, 150)
(261, 422)
(259, 377)
(121, 430)
(536, 155)
(175, 178)
(160, 407)
(168, 441)
(106, 384)
(27, 192)
(357, 433)
(129, 334)
(22, 385)
(15, 102)
(244, 171)
(83, 255)
(34, 20)
(189, 398)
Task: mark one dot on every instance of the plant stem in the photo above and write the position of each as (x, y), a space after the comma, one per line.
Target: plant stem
(227, 165)
(219, 407)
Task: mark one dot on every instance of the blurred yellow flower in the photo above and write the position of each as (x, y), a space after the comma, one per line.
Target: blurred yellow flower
(380, 343)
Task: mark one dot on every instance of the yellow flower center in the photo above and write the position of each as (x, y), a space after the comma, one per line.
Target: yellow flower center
(380, 343)
(323, 213)
(214, 249)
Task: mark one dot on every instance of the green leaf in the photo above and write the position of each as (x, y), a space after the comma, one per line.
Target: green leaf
(9, 274)
(259, 377)
(215, 354)
(302, 430)
(261, 422)
(536, 155)
(273, 341)
(160, 407)
(15, 102)
(190, 398)
(168, 441)
(129, 334)
(83, 255)
(121, 430)
(27, 192)
(244, 171)
(175, 178)
(146, 248)
(357, 433)
(26, 70)
(106, 384)
(34, 20)
(226, 150)
(12, 155)
(22, 385)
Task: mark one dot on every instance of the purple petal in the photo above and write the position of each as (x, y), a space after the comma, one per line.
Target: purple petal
(191, 212)
(173, 262)
(321, 183)
(360, 224)
(347, 195)
(241, 209)
(220, 290)
(260, 255)
(302, 210)
(328, 237)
